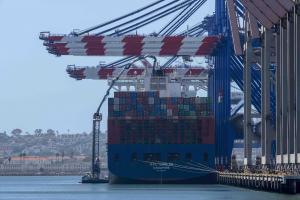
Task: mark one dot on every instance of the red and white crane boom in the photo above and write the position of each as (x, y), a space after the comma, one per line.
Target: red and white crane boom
(129, 45)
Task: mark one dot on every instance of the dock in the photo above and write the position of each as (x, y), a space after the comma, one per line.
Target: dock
(267, 182)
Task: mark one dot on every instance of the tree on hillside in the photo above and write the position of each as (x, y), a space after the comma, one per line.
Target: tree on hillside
(38, 132)
(16, 132)
(4, 134)
(50, 132)
(4, 137)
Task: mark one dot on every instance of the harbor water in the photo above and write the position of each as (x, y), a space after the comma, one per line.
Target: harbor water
(69, 188)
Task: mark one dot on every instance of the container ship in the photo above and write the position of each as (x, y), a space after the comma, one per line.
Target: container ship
(158, 136)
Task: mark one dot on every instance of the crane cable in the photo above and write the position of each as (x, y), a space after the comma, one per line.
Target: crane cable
(121, 61)
(190, 13)
(185, 17)
(119, 18)
(137, 18)
(154, 18)
(174, 20)
(191, 30)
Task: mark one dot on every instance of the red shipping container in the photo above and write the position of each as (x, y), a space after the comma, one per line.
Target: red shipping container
(114, 132)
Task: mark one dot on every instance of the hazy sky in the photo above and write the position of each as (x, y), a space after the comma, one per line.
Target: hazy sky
(35, 90)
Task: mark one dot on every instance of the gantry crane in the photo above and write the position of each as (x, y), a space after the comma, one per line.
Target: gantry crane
(109, 42)
(239, 59)
(113, 41)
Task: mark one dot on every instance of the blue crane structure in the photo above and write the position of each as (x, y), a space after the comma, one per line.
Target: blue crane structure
(220, 87)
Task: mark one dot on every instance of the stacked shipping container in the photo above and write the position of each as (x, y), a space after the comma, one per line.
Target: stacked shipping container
(146, 118)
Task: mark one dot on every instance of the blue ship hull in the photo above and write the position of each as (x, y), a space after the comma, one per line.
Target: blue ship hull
(161, 163)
